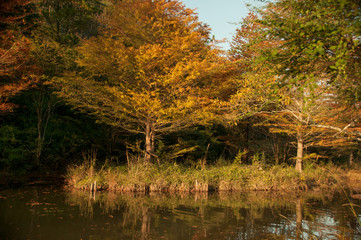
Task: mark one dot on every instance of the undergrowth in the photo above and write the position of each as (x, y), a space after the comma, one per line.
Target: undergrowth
(231, 177)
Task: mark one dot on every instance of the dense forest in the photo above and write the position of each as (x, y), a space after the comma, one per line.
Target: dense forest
(143, 81)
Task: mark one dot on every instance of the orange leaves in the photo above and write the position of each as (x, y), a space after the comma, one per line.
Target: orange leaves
(148, 21)
(17, 68)
(103, 55)
(14, 52)
(13, 11)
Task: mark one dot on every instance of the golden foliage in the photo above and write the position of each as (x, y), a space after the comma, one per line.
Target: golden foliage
(152, 66)
(17, 70)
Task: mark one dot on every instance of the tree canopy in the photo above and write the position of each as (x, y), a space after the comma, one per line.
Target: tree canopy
(149, 71)
(310, 50)
(150, 75)
(17, 70)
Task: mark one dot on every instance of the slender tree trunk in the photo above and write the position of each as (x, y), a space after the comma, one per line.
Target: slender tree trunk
(153, 147)
(149, 142)
(246, 136)
(39, 142)
(39, 147)
(350, 160)
(204, 161)
(275, 148)
(44, 108)
(299, 153)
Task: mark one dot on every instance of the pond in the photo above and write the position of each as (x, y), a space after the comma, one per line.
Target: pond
(54, 213)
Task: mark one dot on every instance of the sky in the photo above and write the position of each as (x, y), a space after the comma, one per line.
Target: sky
(221, 15)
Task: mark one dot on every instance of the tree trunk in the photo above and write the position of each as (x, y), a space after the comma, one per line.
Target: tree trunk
(299, 153)
(44, 106)
(246, 149)
(39, 142)
(149, 142)
(350, 160)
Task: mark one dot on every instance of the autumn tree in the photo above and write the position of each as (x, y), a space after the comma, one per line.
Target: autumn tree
(59, 26)
(147, 72)
(254, 79)
(305, 57)
(301, 114)
(319, 57)
(320, 37)
(17, 69)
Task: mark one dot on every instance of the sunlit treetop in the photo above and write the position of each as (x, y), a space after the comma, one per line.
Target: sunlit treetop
(151, 70)
(17, 68)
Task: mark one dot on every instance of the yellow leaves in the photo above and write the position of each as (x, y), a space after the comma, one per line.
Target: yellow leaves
(150, 56)
(253, 91)
(150, 62)
(104, 55)
(17, 66)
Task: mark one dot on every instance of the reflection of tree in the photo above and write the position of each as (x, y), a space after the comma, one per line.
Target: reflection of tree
(145, 223)
(298, 219)
(209, 216)
(35, 211)
(84, 200)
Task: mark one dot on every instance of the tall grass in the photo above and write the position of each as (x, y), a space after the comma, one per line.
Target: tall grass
(172, 177)
(87, 176)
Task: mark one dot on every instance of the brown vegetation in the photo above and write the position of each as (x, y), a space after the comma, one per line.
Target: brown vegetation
(235, 177)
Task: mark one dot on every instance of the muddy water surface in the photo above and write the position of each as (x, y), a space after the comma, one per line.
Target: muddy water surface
(54, 213)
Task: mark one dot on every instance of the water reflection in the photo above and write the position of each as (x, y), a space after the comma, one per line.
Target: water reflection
(41, 213)
(298, 219)
(224, 215)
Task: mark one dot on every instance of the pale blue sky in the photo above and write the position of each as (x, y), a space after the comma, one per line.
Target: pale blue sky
(220, 15)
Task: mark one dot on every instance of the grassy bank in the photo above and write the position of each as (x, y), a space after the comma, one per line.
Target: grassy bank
(233, 177)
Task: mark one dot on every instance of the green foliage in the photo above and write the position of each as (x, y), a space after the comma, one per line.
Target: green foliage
(239, 157)
(66, 21)
(67, 135)
(300, 58)
(318, 37)
(59, 28)
(13, 156)
(190, 144)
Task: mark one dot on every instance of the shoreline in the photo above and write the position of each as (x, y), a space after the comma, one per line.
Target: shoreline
(231, 178)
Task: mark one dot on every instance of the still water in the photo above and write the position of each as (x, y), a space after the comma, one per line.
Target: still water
(54, 213)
